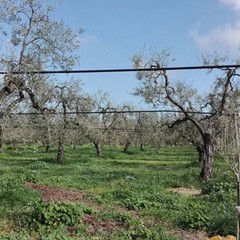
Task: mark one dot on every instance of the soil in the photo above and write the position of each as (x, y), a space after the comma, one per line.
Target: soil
(56, 194)
(191, 236)
(186, 191)
(49, 193)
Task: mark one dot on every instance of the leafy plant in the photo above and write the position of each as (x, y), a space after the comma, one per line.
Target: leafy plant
(54, 214)
(141, 232)
(18, 236)
(14, 196)
(31, 176)
(118, 216)
(39, 165)
(218, 187)
(194, 217)
(121, 194)
(135, 203)
(223, 220)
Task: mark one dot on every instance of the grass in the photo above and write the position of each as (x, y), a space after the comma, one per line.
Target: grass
(138, 181)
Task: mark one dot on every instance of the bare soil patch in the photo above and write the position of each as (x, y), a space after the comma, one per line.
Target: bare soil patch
(191, 236)
(57, 194)
(186, 191)
(95, 225)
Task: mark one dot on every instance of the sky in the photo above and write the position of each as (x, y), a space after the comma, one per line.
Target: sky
(115, 30)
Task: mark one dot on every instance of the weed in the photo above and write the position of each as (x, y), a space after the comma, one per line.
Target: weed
(218, 187)
(23, 235)
(94, 198)
(118, 216)
(137, 180)
(222, 222)
(130, 200)
(31, 176)
(136, 203)
(14, 196)
(194, 216)
(39, 165)
(54, 214)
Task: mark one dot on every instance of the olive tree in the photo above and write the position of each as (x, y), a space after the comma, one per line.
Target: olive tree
(32, 41)
(98, 122)
(124, 130)
(158, 89)
(65, 98)
(8, 121)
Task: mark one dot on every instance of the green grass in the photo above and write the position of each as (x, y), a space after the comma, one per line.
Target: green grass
(138, 181)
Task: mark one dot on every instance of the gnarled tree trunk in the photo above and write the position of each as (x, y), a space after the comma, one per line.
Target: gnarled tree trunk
(60, 155)
(200, 150)
(47, 141)
(14, 144)
(127, 145)
(207, 154)
(98, 149)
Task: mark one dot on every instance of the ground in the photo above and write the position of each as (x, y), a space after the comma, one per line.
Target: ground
(186, 191)
(66, 195)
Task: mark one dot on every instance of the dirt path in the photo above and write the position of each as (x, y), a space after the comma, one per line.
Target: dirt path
(49, 193)
(57, 194)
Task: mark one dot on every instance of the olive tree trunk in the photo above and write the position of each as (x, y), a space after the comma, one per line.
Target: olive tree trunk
(98, 149)
(47, 141)
(60, 155)
(200, 153)
(126, 147)
(206, 154)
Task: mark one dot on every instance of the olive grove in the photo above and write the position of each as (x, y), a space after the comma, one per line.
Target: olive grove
(31, 40)
(159, 90)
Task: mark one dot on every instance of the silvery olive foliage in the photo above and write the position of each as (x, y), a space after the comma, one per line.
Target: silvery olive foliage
(31, 40)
